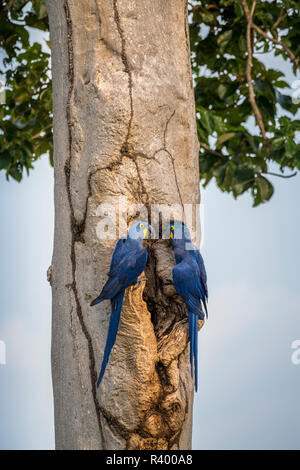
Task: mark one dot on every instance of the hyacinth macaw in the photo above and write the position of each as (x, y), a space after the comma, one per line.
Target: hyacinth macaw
(128, 262)
(190, 282)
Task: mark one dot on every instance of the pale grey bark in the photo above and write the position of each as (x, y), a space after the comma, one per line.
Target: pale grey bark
(124, 124)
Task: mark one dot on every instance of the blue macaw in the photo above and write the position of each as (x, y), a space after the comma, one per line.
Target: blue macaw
(128, 262)
(190, 282)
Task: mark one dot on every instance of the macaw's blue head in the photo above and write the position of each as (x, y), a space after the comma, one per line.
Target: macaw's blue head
(139, 230)
(179, 231)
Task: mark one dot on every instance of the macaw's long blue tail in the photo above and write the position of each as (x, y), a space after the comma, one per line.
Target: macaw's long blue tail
(193, 333)
(97, 301)
(116, 307)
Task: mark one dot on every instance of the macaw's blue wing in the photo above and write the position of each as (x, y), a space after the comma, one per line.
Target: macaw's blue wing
(203, 278)
(117, 255)
(116, 307)
(187, 283)
(115, 259)
(130, 266)
(128, 262)
(186, 279)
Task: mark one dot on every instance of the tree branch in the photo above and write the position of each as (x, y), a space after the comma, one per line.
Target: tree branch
(262, 33)
(292, 56)
(42, 130)
(249, 17)
(264, 173)
(208, 149)
(281, 17)
(7, 6)
(279, 175)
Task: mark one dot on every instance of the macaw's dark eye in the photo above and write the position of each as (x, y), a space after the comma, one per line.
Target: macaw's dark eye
(172, 227)
(141, 225)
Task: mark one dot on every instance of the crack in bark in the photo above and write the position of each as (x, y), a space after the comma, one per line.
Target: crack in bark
(187, 40)
(114, 424)
(171, 156)
(144, 190)
(80, 226)
(124, 148)
(108, 46)
(165, 149)
(76, 229)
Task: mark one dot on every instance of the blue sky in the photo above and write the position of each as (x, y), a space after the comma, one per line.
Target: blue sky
(249, 388)
(26, 214)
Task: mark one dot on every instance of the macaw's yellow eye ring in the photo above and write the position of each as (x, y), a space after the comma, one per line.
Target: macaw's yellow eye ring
(172, 227)
(141, 225)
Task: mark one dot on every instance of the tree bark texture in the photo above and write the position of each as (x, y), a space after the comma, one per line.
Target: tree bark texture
(124, 125)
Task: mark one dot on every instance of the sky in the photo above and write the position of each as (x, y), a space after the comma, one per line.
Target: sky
(248, 386)
(26, 215)
(248, 394)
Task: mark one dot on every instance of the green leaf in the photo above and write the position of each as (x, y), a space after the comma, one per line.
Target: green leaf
(40, 8)
(222, 90)
(264, 190)
(265, 88)
(223, 40)
(224, 138)
(5, 160)
(290, 147)
(278, 143)
(244, 174)
(297, 159)
(206, 120)
(286, 102)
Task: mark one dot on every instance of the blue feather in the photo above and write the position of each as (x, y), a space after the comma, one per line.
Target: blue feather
(196, 350)
(190, 282)
(97, 301)
(116, 307)
(128, 262)
(191, 332)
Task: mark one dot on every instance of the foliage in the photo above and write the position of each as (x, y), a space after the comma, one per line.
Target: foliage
(237, 158)
(25, 119)
(226, 65)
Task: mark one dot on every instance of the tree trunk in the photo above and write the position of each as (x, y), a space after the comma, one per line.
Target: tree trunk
(124, 125)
